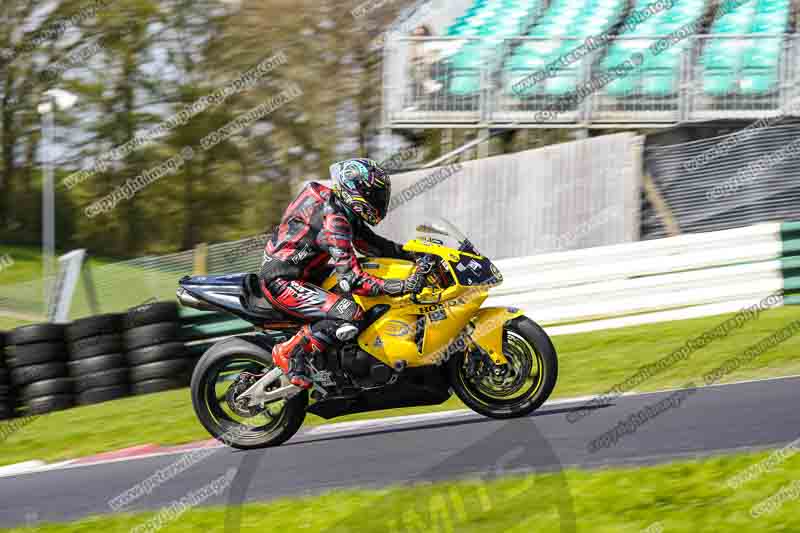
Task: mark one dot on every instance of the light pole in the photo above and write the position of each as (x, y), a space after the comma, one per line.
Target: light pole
(54, 99)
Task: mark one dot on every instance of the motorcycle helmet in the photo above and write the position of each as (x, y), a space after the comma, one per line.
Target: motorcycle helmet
(364, 187)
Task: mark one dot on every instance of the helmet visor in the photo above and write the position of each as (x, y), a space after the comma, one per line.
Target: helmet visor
(379, 197)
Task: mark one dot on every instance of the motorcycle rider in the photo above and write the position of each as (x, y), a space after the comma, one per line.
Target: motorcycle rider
(322, 224)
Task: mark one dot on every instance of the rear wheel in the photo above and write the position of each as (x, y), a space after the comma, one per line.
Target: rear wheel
(515, 389)
(220, 377)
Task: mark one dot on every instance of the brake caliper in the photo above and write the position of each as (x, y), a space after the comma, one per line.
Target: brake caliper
(244, 381)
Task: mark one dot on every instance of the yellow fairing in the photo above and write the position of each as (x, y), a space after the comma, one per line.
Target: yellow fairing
(488, 332)
(394, 336)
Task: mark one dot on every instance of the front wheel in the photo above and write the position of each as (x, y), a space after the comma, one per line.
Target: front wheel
(512, 390)
(226, 370)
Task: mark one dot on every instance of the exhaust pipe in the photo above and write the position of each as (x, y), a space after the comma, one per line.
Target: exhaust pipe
(186, 299)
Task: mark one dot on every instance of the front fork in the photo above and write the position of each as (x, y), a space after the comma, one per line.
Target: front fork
(487, 329)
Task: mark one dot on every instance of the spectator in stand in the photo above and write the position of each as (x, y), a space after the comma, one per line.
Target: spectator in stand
(422, 56)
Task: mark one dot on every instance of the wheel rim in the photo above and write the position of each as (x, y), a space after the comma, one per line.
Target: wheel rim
(219, 387)
(510, 385)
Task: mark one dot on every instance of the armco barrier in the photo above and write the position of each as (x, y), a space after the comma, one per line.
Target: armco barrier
(720, 271)
(790, 261)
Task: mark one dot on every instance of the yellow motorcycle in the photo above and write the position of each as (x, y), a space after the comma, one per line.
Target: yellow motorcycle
(413, 350)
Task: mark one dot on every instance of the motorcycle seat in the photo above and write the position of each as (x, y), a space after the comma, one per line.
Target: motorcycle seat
(254, 302)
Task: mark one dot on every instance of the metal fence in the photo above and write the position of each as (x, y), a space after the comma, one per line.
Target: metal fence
(726, 182)
(120, 286)
(433, 82)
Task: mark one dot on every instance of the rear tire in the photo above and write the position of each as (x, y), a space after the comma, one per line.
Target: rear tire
(531, 345)
(219, 423)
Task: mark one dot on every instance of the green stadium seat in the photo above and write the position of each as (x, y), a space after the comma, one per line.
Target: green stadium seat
(662, 61)
(719, 82)
(561, 84)
(576, 19)
(760, 58)
(658, 82)
(758, 81)
(465, 83)
(720, 61)
(620, 87)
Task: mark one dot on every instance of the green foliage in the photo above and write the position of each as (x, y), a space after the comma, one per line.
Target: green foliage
(141, 61)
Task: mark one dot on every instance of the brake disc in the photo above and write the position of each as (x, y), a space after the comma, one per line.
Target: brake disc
(238, 405)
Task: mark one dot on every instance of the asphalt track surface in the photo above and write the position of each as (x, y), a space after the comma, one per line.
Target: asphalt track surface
(743, 416)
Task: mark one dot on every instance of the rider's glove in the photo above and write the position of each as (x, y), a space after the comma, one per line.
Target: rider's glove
(414, 283)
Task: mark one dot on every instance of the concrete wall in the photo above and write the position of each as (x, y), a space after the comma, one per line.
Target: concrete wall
(562, 197)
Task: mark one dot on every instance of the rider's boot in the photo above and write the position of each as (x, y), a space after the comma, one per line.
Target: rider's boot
(290, 356)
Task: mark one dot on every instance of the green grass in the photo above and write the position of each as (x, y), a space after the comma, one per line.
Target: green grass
(589, 363)
(27, 264)
(686, 496)
(119, 286)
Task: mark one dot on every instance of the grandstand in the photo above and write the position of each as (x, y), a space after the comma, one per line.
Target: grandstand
(557, 63)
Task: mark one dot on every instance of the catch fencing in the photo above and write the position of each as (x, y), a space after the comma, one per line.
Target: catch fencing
(746, 177)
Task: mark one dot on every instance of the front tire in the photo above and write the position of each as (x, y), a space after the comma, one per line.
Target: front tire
(224, 362)
(513, 390)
